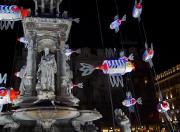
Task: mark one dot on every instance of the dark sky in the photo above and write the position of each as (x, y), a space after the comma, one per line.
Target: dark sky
(158, 18)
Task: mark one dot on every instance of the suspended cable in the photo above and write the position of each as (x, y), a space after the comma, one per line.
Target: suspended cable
(167, 124)
(122, 46)
(132, 87)
(100, 26)
(108, 87)
(116, 5)
(141, 34)
(154, 71)
(160, 94)
(127, 88)
(120, 34)
(145, 36)
(144, 31)
(154, 74)
(112, 107)
(117, 11)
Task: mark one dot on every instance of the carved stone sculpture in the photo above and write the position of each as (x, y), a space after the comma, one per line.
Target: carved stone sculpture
(42, 4)
(77, 125)
(69, 88)
(81, 126)
(45, 110)
(25, 81)
(46, 72)
(65, 15)
(122, 120)
(90, 127)
(8, 122)
(46, 124)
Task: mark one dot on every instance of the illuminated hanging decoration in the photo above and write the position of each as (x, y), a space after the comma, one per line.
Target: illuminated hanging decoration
(24, 41)
(117, 23)
(137, 10)
(130, 101)
(114, 68)
(72, 86)
(68, 52)
(148, 54)
(79, 85)
(7, 96)
(163, 107)
(10, 14)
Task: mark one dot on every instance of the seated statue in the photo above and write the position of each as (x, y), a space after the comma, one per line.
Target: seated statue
(122, 120)
(46, 72)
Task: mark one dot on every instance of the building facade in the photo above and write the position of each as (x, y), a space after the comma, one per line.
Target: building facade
(169, 82)
(97, 94)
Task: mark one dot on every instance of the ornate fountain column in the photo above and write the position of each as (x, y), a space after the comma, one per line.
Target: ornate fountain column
(50, 33)
(47, 74)
(65, 76)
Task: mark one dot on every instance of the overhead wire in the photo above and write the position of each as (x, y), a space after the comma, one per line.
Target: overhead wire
(108, 87)
(100, 26)
(127, 87)
(160, 95)
(144, 31)
(121, 42)
(153, 72)
(137, 111)
(117, 11)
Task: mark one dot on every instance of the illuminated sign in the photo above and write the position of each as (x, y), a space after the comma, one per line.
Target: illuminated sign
(3, 78)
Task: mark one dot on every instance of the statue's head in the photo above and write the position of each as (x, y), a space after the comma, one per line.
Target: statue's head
(46, 51)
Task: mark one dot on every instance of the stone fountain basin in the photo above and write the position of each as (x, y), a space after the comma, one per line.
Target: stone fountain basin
(46, 113)
(88, 115)
(56, 113)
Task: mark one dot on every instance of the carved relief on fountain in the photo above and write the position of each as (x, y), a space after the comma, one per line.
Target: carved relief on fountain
(43, 5)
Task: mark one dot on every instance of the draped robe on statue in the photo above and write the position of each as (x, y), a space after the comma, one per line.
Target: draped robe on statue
(46, 72)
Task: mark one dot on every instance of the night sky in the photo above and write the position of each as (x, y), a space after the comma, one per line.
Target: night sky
(160, 29)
